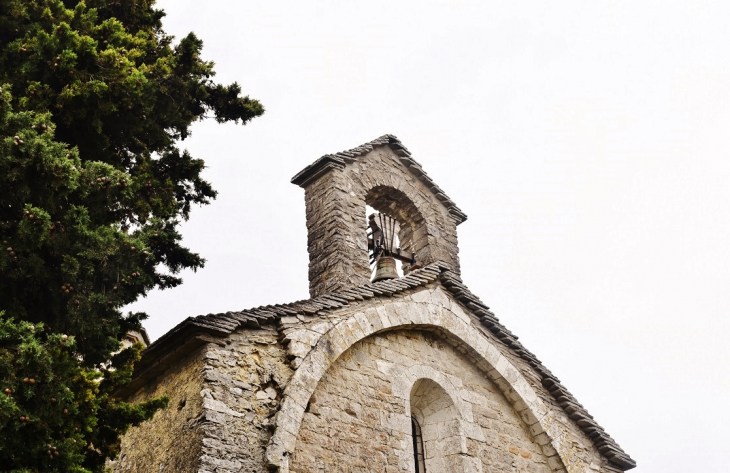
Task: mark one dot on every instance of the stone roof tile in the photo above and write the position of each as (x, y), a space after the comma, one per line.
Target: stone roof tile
(339, 298)
(352, 295)
(377, 290)
(327, 303)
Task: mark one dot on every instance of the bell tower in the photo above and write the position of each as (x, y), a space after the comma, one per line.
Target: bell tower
(383, 175)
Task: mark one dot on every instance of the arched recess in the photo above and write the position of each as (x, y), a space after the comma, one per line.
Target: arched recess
(447, 318)
(412, 225)
(443, 428)
(379, 179)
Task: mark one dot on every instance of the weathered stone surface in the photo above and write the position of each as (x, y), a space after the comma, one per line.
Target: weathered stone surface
(357, 419)
(562, 442)
(238, 406)
(243, 380)
(222, 400)
(336, 196)
(158, 445)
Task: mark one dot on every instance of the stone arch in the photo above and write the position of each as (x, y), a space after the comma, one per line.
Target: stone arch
(405, 380)
(411, 222)
(380, 179)
(444, 316)
(431, 404)
(442, 427)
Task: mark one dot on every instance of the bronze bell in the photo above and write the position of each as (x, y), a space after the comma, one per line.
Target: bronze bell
(385, 269)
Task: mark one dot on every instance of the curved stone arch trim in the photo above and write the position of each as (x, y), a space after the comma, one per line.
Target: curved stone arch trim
(451, 447)
(437, 226)
(405, 378)
(410, 217)
(404, 315)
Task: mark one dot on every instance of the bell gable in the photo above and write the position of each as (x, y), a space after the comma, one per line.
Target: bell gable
(383, 175)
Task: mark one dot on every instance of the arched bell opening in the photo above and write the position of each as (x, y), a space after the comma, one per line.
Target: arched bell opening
(409, 235)
(383, 230)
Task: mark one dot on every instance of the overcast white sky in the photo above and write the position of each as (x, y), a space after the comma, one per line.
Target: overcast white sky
(586, 141)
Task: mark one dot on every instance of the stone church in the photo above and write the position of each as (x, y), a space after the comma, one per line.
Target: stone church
(409, 373)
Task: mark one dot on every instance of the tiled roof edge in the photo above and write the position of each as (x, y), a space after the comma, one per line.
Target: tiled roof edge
(337, 161)
(602, 441)
(225, 323)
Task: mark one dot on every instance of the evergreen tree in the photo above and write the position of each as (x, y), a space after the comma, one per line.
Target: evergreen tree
(94, 99)
(56, 415)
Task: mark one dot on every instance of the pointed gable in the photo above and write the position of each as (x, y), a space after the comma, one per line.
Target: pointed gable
(329, 162)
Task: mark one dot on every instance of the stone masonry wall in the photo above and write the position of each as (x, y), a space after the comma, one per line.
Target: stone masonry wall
(334, 247)
(170, 442)
(243, 381)
(337, 224)
(238, 402)
(347, 425)
(222, 400)
(315, 342)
